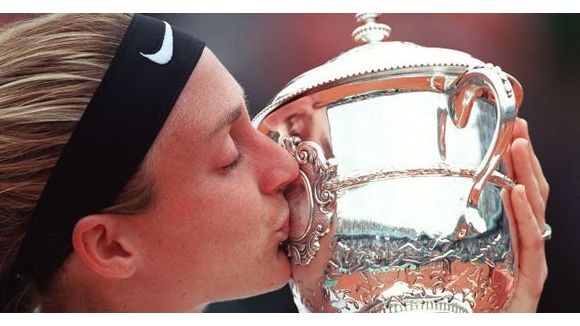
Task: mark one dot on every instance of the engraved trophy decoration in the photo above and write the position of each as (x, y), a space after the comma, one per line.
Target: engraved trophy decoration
(398, 204)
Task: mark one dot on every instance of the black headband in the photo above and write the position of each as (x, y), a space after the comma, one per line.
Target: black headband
(150, 68)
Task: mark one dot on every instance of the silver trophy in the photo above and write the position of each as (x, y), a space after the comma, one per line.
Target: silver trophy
(398, 204)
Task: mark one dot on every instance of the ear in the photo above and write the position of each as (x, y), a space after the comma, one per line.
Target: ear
(103, 246)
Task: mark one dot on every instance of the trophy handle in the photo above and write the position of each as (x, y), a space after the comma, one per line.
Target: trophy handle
(491, 83)
(315, 172)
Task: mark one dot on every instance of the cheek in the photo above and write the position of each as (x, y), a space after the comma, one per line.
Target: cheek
(218, 223)
(215, 239)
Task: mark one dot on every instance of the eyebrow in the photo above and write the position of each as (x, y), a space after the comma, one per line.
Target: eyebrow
(226, 120)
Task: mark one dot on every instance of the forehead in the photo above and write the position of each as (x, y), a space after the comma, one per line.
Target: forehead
(210, 93)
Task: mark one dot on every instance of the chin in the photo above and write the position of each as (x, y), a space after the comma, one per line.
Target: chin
(267, 280)
(281, 271)
(273, 279)
(284, 261)
(275, 273)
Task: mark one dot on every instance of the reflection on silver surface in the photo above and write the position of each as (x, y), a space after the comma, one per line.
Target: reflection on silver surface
(398, 207)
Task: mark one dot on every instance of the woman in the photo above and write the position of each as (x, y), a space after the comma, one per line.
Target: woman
(131, 178)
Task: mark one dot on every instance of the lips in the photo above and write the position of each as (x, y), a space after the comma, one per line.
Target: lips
(286, 227)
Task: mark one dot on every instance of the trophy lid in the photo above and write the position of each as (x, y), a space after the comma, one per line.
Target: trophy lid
(376, 58)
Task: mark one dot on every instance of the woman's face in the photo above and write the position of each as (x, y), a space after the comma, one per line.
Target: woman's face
(219, 213)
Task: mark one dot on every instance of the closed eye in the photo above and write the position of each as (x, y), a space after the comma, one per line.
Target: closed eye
(234, 163)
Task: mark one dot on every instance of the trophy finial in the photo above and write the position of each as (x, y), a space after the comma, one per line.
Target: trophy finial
(370, 31)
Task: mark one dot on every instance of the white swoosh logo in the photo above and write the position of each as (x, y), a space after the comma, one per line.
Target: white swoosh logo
(165, 53)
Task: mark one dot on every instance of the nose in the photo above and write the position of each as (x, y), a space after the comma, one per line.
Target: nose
(277, 167)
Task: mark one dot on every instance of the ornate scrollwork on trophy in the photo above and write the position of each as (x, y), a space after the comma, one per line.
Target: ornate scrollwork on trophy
(315, 172)
(421, 273)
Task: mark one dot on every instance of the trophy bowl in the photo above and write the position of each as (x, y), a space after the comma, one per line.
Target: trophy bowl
(398, 205)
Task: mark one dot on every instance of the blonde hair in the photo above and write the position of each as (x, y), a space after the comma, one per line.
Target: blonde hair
(49, 68)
